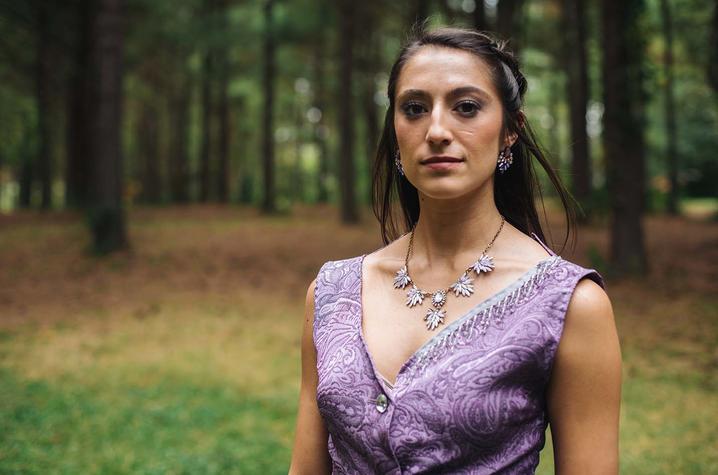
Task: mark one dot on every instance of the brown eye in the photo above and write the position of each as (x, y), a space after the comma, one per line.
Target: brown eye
(468, 108)
(412, 109)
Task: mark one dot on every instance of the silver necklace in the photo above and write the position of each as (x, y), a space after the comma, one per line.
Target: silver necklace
(463, 287)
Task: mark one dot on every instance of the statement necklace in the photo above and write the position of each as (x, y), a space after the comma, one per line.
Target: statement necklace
(463, 287)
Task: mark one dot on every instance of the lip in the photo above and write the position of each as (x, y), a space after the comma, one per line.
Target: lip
(440, 159)
(442, 162)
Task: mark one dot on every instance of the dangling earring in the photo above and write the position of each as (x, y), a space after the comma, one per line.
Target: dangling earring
(506, 158)
(397, 162)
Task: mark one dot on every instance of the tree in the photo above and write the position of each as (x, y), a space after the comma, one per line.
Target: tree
(713, 50)
(479, 17)
(179, 112)
(224, 136)
(319, 98)
(349, 212)
(623, 128)
(576, 65)
(508, 23)
(79, 83)
(206, 150)
(268, 78)
(106, 213)
(670, 110)
(43, 84)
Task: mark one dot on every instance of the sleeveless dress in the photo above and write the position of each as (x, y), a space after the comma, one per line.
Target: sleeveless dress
(471, 400)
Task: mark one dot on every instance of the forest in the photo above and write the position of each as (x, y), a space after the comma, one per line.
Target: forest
(174, 172)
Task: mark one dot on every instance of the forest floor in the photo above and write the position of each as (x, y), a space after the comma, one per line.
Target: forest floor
(181, 355)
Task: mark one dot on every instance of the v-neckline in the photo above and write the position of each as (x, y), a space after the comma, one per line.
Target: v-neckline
(493, 299)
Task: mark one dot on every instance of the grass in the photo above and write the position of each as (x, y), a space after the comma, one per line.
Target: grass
(182, 356)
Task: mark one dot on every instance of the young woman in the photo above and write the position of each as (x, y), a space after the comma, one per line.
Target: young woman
(451, 348)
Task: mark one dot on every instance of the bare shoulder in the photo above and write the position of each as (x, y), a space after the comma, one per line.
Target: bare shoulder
(589, 328)
(309, 302)
(590, 309)
(585, 385)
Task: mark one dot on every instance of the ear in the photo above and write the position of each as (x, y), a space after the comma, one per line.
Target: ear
(510, 139)
(513, 136)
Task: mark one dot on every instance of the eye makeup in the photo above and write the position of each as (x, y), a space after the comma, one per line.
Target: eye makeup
(467, 108)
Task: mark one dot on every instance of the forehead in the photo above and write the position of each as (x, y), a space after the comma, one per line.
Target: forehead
(436, 69)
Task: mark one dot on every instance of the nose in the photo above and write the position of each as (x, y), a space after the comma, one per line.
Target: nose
(438, 132)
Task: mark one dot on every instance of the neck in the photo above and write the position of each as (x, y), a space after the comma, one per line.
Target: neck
(450, 233)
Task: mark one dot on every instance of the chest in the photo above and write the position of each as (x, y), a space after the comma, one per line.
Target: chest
(393, 332)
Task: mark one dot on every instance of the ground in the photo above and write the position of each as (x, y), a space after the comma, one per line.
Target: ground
(181, 355)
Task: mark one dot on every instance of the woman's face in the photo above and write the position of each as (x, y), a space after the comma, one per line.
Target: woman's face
(447, 106)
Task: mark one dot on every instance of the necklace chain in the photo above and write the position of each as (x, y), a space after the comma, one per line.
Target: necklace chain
(462, 287)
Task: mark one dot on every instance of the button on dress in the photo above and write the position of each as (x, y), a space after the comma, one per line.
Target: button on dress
(471, 400)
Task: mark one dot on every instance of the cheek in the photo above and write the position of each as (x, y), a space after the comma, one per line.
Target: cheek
(482, 136)
(405, 130)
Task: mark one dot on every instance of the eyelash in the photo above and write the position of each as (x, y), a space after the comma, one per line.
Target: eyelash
(406, 108)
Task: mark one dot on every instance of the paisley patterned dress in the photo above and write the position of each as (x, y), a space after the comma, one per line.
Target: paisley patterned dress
(471, 400)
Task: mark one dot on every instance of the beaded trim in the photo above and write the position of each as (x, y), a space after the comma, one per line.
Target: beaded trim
(490, 310)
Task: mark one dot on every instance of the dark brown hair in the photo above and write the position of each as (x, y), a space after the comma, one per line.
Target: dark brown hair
(516, 190)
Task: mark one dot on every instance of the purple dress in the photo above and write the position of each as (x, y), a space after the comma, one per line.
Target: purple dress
(471, 400)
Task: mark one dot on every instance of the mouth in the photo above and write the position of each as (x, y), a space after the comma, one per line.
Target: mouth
(440, 159)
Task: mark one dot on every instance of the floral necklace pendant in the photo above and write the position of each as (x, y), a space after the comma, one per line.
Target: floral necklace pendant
(463, 287)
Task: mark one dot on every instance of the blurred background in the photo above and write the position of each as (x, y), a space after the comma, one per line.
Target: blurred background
(173, 173)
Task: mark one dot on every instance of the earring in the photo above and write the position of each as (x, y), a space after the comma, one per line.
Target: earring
(506, 158)
(397, 162)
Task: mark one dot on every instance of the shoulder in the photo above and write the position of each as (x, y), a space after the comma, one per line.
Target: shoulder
(588, 320)
(589, 314)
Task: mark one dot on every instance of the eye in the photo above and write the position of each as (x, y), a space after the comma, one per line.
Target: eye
(468, 108)
(412, 109)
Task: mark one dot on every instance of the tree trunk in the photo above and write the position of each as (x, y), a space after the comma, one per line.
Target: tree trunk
(26, 180)
(480, 22)
(297, 185)
(43, 90)
(206, 150)
(268, 78)
(349, 212)
(106, 215)
(670, 111)
(507, 21)
(179, 159)
(577, 81)
(223, 145)
(623, 132)
(419, 12)
(149, 153)
(319, 127)
(78, 161)
(713, 50)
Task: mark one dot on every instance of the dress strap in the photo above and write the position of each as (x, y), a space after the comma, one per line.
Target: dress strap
(533, 235)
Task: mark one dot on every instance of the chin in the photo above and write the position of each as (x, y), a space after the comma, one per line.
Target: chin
(448, 188)
(444, 190)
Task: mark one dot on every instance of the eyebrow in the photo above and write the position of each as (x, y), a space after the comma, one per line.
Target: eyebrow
(459, 91)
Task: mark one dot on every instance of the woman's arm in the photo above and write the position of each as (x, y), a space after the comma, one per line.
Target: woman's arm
(584, 394)
(310, 455)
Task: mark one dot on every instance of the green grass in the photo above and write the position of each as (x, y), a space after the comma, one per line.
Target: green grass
(71, 404)
(173, 424)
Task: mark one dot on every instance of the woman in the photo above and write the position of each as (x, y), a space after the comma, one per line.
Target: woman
(439, 353)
